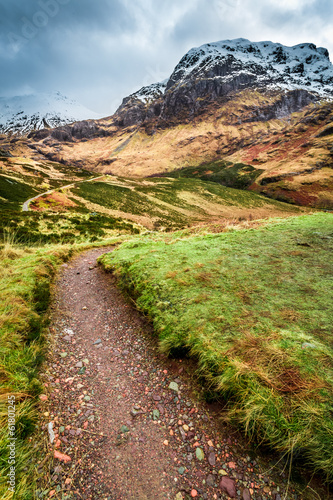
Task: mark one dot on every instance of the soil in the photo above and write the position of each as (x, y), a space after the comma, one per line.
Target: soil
(122, 432)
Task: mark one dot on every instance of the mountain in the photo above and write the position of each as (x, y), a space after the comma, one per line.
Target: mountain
(255, 115)
(216, 70)
(22, 114)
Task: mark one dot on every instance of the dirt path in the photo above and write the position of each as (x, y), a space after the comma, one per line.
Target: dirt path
(129, 434)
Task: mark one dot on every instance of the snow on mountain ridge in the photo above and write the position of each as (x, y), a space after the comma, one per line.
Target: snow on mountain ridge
(21, 114)
(303, 65)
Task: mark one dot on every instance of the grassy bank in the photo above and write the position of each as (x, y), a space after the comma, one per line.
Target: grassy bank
(254, 306)
(26, 275)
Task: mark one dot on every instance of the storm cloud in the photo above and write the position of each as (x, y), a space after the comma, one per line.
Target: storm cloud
(98, 51)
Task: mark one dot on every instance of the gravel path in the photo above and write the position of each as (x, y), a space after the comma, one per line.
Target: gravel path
(127, 421)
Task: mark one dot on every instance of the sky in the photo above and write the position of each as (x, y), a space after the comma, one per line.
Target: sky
(99, 51)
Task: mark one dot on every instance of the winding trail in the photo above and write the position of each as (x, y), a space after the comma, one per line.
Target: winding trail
(25, 206)
(129, 434)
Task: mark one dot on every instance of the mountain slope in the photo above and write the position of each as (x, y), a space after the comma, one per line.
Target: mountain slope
(21, 114)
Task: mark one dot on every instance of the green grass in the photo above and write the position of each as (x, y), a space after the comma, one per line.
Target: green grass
(40, 228)
(238, 175)
(255, 308)
(26, 276)
(14, 193)
(165, 200)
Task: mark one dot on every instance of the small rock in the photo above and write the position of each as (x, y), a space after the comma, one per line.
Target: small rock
(156, 414)
(186, 428)
(173, 386)
(166, 442)
(182, 433)
(161, 409)
(210, 480)
(79, 364)
(181, 470)
(246, 494)
(211, 459)
(84, 308)
(98, 341)
(61, 456)
(156, 398)
(134, 412)
(61, 429)
(69, 331)
(124, 428)
(51, 432)
(194, 493)
(63, 354)
(43, 397)
(179, 496)
(67, 338)
(199, 454)
(227, 485)
(87, 398)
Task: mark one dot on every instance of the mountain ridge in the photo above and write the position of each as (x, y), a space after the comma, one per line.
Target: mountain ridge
(22, 114)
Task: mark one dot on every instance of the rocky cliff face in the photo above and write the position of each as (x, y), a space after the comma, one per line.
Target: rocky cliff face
(214, 72)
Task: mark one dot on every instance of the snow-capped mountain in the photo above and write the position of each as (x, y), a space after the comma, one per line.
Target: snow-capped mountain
(260, 63)
(150, 92)
(22, 114)
(302, 74)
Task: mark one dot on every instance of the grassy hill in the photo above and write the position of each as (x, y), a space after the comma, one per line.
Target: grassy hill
(254, 308)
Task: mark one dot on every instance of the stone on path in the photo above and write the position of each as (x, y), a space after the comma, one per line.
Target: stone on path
(173, 386)
(246, 494)
(228, 486)
(199, 454)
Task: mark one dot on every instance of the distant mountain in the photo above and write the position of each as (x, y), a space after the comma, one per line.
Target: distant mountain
(22, 114)
(216, 70)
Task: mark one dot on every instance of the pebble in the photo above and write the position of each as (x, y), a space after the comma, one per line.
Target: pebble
(246, 494)
(98, 341)
(211, 458)
(210, 480)
(199, 454)
(228, 486)
(156, 414)
(173, 386)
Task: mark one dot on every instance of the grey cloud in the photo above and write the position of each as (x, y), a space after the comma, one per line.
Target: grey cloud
(98, 51)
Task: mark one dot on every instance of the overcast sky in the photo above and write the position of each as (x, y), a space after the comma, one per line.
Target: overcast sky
(98, 51)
